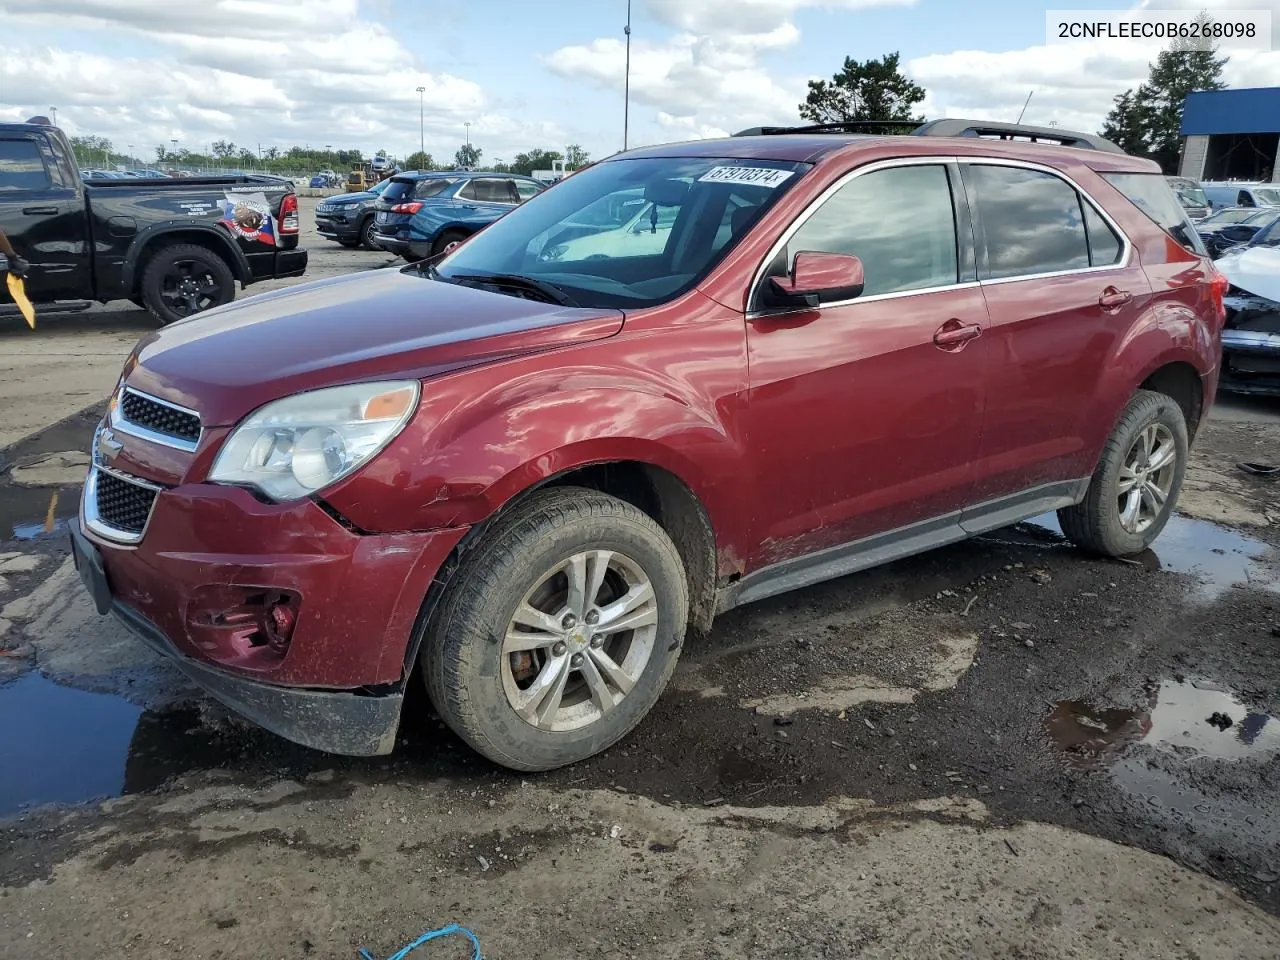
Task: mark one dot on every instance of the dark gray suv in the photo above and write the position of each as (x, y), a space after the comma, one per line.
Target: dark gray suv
(348, 217)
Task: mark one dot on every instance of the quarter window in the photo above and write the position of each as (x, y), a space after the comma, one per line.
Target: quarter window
(1104, 245)
(21, 166)
(899, 221)
(1029, 222)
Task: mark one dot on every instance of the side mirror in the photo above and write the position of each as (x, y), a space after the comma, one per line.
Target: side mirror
(816, 277)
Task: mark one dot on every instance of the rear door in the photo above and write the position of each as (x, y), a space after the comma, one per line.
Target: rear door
(43, 213)
(1062, 286)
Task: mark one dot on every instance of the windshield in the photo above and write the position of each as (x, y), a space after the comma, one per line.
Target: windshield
(1234, 215)
(628, 233)
(1268, 196)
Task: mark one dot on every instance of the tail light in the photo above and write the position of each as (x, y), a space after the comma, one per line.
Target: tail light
(289, 213)
(1218, 287)
(412, 206)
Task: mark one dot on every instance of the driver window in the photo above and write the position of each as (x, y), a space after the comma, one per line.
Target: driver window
(899, 221)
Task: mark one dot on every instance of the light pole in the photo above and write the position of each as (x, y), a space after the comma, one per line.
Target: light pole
(626, 83)
(468, 126)
(130, 163)
(54, 111)
(422, 135)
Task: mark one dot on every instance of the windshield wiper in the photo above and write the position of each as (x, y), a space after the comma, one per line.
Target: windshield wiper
(519, 281)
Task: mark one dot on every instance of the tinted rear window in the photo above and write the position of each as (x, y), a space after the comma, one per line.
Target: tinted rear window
(1150, 193)
(21, 166)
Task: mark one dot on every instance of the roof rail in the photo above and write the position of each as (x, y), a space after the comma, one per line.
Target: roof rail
(1010, 131)
(840, 126)
(949, 128)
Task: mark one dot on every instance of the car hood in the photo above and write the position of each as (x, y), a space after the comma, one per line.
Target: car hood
(1255, 270)
(381, 324)
(345, 198)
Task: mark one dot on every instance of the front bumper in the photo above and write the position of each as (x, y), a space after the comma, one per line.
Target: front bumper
(1251, 362)
(208, 552)
(338, 228)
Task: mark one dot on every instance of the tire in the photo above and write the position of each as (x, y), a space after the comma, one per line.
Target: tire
(214, 282)
(471, 680)
(367, 235)
(450, 238)
(1096, 524)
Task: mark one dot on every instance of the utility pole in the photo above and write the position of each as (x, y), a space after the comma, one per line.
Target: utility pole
(422, 134)
(54, 111)
(626, 83)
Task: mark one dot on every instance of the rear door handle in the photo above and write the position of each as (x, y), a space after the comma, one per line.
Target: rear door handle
(953, 334)
(39, 211)
(1113, 299)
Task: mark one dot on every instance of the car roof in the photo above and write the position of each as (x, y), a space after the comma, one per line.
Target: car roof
(456, 175)
(824, 147)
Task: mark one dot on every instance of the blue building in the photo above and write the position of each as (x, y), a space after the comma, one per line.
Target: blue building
(1231, 134)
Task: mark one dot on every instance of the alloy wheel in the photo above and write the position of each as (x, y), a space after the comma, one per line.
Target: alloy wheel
(1146, 477)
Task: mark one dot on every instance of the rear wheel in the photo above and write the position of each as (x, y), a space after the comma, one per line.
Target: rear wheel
(558, 631)
(447, 241)
(185, 279)
(1135, 487)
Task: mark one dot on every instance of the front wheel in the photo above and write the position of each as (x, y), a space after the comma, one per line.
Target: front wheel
(185, 279)
(1135, 487)
(558, 631)
(368, 236)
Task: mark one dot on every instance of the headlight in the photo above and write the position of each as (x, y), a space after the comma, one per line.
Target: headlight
(296, 446)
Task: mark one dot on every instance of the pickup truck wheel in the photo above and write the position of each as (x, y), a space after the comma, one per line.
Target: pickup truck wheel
(1134, 489)
(185, 279)
(447, 241)
(368, 237)
(558, 631)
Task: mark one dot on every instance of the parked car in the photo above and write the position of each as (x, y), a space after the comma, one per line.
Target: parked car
(151, 174)
(176, 247)
(1231, 194)
(348, 217)
(425, 214)
(1232, 226)
(1191, 197)
(1251, 340)
(533, 478)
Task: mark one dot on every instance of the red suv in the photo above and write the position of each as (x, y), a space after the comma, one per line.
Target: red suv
(682, 380)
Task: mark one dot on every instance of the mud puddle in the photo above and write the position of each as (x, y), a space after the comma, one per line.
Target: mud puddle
(1217, 557)
(36, 513)
(1192, 719)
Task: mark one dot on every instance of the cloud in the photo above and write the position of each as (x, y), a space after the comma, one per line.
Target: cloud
(246, 70)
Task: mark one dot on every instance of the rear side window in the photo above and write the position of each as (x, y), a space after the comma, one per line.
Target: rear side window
(1150, 193)
(527, 189)
(430, 188)
(899, 221)
(1030, 222)
(399, 190)
(22, 166)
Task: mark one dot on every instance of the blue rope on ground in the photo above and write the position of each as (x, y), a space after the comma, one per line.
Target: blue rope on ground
(448, 931)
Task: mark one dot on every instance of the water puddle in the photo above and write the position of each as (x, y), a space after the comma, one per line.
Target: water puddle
(36, 513)
(1218, 558)
(1191, 719)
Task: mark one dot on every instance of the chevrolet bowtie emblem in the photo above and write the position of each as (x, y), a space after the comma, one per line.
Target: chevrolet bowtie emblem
(105, 444)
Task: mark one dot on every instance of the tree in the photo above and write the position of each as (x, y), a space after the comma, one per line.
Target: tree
(535, 159)
(575, 157)
(224, 149)
(1148, 122)
(419, 161)
(863, 90)
(1126, 124)
(468, 155)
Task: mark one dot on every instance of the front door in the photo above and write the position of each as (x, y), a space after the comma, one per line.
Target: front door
(42, 212)
(864, 414)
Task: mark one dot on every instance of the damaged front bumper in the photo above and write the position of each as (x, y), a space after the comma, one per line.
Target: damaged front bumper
(1251, 345)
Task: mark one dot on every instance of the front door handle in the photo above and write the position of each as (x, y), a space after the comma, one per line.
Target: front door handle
(40, 211)
(1113, 299)
(953, 334)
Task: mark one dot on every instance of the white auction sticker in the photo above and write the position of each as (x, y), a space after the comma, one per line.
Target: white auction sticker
(754, 176)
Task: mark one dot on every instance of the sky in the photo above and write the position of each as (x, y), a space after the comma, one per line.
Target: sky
(545, 74)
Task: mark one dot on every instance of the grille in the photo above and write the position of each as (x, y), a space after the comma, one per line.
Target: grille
(159, 417)
(123, 505)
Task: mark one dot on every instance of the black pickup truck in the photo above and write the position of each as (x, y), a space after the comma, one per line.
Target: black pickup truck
(175, 247)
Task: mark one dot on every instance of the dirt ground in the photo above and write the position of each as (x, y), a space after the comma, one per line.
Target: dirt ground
(1000, 749)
